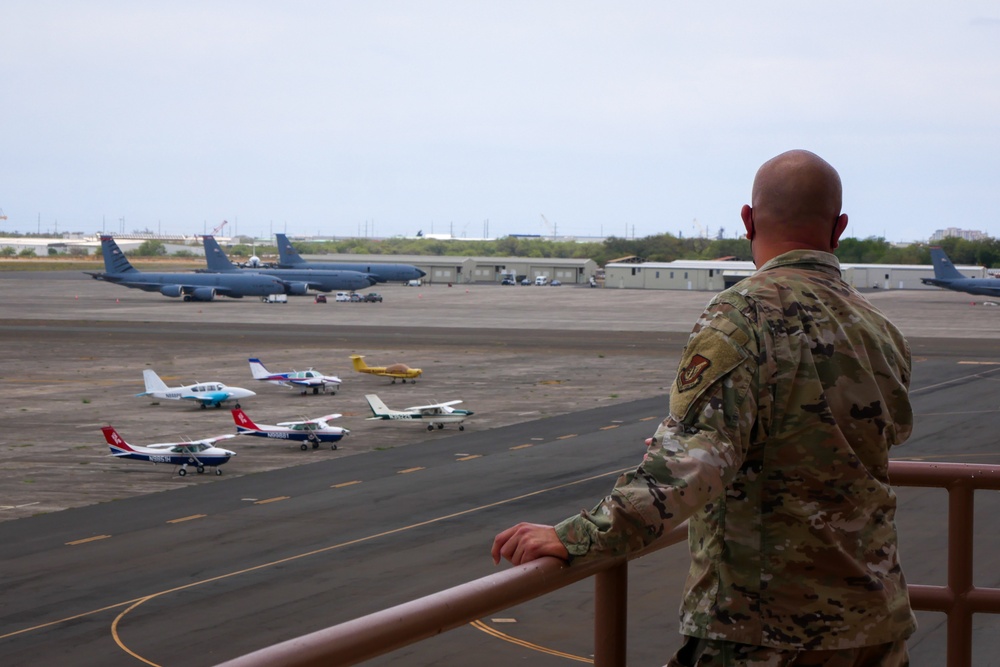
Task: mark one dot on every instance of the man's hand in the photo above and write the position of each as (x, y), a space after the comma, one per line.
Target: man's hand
(526, 542)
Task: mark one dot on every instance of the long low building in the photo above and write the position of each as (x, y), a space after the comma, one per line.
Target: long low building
(458, 269)
(716, 275)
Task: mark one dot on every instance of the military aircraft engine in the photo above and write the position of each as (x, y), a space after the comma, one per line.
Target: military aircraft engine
(203, 293)
(297, 289)
(171, 290)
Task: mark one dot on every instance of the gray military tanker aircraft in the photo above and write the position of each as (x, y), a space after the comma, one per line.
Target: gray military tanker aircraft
(289, 258)
(189, 286)
(299, 280)
(947, 276)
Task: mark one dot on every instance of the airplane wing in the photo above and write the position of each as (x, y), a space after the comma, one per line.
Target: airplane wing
(213, 440)
(433, 406)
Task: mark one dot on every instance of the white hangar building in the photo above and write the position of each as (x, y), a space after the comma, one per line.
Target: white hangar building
(716, 275)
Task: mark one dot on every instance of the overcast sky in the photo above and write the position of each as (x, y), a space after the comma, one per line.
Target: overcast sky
(479, 118)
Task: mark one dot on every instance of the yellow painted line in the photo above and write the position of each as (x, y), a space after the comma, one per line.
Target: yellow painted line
(522, 446)
(408, 470)
(479, 625)
(646, 419)
(188, 518)
(470, 457)
(271, 500)
(135, 602)
(979, 363)
(566, 437)
(87, 539)
(343, 484)
(608, 428)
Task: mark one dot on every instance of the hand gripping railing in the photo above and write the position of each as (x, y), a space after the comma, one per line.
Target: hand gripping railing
(382, 632)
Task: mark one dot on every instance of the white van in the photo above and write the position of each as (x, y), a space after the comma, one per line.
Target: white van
(414, 283)
(542, 280)
(275, 298)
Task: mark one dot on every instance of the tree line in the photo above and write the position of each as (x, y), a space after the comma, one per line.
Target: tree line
(658, 248)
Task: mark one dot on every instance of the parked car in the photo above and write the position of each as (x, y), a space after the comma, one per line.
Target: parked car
(342, 296)
(355, 297)
(555, 283)
(320, 298)
(526, 281)
(373, 297)
(414, 283)
(541, 280)
(507, 281)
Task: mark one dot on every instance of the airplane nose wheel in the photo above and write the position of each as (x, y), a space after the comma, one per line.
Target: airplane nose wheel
(461, 427)
(334, 446)
(430, 427)
(201, 470)
(182, 472)
(218, 471)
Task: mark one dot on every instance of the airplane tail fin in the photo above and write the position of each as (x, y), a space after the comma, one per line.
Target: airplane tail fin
(287, 255)
(243, 420)
(379, 408)
(359, 363)
(943, 267)
(153, 382)
(114, 259)
(258, 370)
(215, 256)
(117, 443)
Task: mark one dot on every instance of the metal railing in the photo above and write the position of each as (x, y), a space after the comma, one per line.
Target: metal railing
(373, 635)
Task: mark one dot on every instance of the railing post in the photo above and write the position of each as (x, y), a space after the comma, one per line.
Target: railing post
(611, 616)
(961, 497)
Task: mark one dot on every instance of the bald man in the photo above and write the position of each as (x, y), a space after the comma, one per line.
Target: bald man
(790, 392)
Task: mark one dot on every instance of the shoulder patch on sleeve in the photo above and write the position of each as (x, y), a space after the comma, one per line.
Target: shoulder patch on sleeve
(710, 355)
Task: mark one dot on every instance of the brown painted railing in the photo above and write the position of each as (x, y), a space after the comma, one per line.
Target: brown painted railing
(382, 632)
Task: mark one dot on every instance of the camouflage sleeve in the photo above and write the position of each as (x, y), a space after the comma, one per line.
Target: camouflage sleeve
(695, 452)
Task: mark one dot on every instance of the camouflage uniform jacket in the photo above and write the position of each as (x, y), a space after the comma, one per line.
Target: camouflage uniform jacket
(790, 392)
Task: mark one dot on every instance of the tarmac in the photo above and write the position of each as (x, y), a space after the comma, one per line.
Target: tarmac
(76, 349)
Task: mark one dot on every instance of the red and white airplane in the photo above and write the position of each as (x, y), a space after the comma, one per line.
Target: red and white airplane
(307, 432)
(304, 380)
(199, 453)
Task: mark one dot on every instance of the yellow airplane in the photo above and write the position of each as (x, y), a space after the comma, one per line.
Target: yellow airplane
(401, 371)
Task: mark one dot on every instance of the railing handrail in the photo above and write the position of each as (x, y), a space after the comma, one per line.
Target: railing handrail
(384, 631)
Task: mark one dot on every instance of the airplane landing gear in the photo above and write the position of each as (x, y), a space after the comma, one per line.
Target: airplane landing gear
(201, 470)
(333, 446)
(430, 427)
(218, 471)
(183, 471)
(461, 427)
(440, 426)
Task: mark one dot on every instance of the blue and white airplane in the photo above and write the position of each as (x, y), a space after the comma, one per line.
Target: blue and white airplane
(299, 280)
(435, 414)
(304, 380)
(189, 286)
(199, 453)
(207, 393)
(289, 258)
(947, 276)
(306, 432)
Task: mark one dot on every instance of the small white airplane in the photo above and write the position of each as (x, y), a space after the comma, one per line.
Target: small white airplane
(309, 431)
(303, 379)
(199, 453)
(437, 414)
(206, 393)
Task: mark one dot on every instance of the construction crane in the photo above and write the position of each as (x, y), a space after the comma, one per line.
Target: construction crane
(220, 227)
(3, 216)
(549, 226)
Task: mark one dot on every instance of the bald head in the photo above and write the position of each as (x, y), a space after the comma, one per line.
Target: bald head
(796, 202)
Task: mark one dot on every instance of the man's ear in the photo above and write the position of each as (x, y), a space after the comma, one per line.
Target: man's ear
(747, 214)
(838, 228)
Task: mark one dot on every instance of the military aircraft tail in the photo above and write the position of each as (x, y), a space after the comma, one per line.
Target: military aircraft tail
(115, 260)
(287, 254)
(944, 269)
(359, 363)
(258, 370)
(215, 256)
(153, 383)
(379, 409)
(117, 444)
